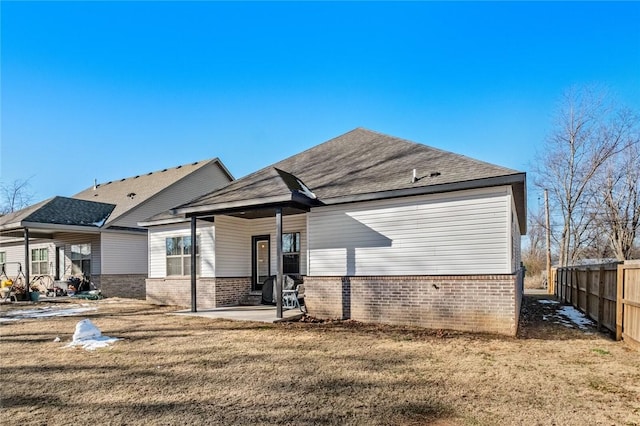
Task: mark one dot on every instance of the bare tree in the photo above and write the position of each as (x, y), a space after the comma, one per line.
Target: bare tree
(617, 201)
(534, 255)
(14, 196)
(589, 130)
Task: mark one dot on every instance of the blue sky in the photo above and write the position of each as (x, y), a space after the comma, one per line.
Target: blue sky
(106, 90)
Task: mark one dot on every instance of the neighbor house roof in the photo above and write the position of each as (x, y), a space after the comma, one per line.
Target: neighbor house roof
(362, 165)
(128, 193)
(59, 211)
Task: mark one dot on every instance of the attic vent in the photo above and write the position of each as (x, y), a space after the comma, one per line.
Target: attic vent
(164, 170)
(109, 182)
(194, 163)
(435, 174)
(149, 174)
(136, 177)
(122, 180)
(131, 195)
(178, 167)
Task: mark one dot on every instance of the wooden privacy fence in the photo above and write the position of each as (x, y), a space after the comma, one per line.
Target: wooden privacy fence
(607, 293)
(628, 309)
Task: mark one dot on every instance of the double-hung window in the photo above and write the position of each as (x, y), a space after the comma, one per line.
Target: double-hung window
(81, 259)
(178, 251)
(40, 261)
(291, 253)
(3, 257)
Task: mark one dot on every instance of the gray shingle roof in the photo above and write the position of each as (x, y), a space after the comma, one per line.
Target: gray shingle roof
(60, 211)
(128, 193)
(358, 162)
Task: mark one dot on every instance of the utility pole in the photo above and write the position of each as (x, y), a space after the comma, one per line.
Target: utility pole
(550, 283)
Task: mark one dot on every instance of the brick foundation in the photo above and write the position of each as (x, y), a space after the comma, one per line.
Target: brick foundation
(125, 285)
(211, 292)
(476, 303)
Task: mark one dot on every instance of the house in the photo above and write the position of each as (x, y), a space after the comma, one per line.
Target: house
(95, 233)
(381, 229)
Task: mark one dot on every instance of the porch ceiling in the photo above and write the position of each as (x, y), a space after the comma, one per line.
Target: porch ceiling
(256, 213)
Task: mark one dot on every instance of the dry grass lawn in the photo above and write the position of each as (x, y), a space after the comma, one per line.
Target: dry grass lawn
(188, 370)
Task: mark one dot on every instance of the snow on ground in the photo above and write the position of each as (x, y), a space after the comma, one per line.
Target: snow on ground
(567, 316)
(90, 337)
(44, 312)
(576, 317)
(86, 335)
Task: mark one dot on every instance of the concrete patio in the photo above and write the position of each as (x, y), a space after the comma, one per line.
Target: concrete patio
(258, 313)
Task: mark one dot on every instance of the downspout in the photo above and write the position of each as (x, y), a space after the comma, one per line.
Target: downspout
(279, 262)
(194, 307)
(27, 263)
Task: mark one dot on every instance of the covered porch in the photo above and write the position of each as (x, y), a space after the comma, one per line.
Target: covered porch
(250, 241)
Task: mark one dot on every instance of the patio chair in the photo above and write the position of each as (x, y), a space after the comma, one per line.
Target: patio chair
(292, 292)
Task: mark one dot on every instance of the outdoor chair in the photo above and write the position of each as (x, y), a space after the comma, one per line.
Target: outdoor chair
(292, 292)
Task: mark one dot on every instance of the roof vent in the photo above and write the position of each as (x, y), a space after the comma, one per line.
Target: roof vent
(435, 174)
(414, 178)
(131, 195)
(95, 184)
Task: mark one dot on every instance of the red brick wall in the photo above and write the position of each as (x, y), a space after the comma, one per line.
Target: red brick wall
(477, 303)
(211, 292)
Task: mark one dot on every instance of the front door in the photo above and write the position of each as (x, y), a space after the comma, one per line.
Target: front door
(261, 260)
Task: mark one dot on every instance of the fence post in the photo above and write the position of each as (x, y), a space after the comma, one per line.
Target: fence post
(619, 304)
(572, 274)
(600, 297)
(587, 283)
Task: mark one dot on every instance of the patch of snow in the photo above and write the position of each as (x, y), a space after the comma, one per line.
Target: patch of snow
(44, 312)
(90, 337)
(576, 317)
(548, 302)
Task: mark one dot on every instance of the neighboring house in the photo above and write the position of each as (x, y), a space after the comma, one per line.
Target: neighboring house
(95, 233)
(382, 230)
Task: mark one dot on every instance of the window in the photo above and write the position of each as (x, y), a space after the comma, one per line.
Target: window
(40, 261)
(291, 253)
(179, 256)
(3, 257)
(81, 259)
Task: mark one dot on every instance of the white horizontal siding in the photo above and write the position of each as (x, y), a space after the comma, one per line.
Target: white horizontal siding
(124, 253)
(446, 234)
(233, 247)
(157, 247)
(233, 242)
(14, 253)
(290, 224)
(68, 239)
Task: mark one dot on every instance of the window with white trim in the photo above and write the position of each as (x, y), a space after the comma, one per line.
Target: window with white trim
(291, 253)
(81, 259)
(40, 261)
(178, 250)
